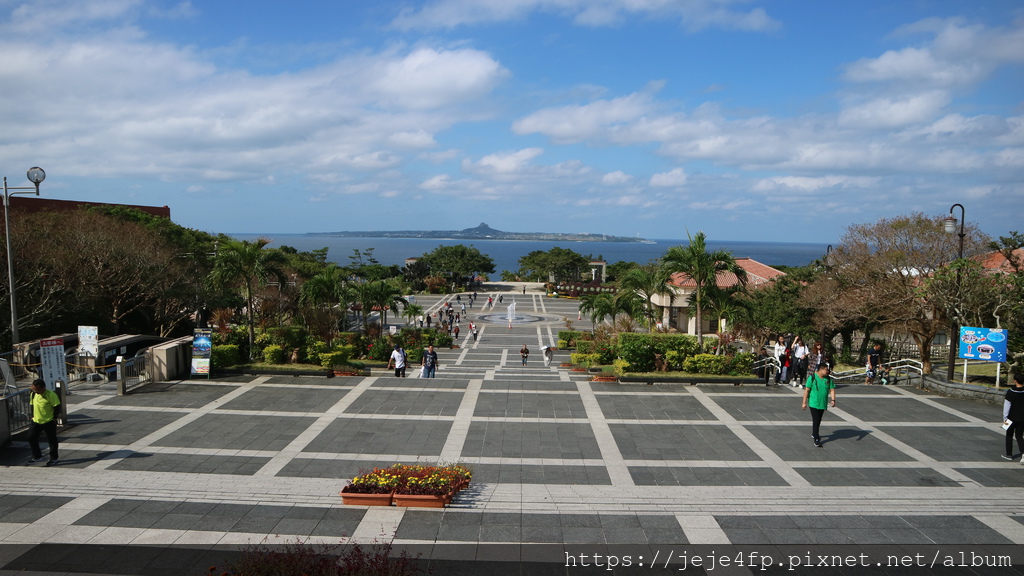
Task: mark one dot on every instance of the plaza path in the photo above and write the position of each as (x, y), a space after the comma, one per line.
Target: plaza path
(172, 478)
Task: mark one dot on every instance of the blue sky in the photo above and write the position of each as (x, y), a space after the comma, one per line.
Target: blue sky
(749, 120)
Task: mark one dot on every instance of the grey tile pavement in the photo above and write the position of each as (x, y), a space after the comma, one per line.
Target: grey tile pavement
(164, 479)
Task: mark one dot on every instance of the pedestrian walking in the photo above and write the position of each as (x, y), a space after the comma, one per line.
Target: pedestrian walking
(549, 354)
(398, 361)
(819, 394)
(501, 298)
(429, 363)
(44, 412)
(456, 331)
(1013, 415)
(524, 353)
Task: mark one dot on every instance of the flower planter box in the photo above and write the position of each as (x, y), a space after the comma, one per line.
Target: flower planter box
(604, 379)
(366, 499)
(422, 500)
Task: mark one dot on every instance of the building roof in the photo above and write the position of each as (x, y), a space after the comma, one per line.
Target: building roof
(757, 275)
(996, 262)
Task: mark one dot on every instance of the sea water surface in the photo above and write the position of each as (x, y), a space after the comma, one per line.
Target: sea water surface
(506, 253)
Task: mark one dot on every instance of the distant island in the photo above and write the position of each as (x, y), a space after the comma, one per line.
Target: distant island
(481, 232)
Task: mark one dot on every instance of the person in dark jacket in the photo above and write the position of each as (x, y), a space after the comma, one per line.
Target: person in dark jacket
(1013, 415)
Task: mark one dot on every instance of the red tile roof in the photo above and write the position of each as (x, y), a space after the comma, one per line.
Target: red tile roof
(757, 275)
(994, 262)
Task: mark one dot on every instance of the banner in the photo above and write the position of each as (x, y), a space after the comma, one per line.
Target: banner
(88, 340)
(988, 344)
(51, 356)
(202, 344)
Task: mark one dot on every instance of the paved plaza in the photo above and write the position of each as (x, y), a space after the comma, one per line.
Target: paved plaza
(174, 477)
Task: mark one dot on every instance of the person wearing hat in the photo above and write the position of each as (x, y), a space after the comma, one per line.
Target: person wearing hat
(44, 411)
(398, 360)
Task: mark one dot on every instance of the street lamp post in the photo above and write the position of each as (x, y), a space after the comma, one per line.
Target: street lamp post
(828, 252)
(950, 226)
(35, 176)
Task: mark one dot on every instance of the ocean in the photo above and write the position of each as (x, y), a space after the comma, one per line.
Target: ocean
(506, 253)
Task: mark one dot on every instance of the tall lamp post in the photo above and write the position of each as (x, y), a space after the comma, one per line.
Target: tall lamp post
(828, 252)
(35, 176)
(950, 226)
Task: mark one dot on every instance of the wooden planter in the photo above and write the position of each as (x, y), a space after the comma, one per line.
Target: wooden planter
(605, 379)
(422, 500)
(366, 499)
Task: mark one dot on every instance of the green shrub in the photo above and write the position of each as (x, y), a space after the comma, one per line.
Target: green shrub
(706, 364)
(225, 356)
(584, 346)
(315, 349)
(380, 349)
(606, 351)
(337, 357)
(562, 344)
(273, 354)
(585, 360)
(571, 337)
(639, 349)
(742, 364)
(620, 366)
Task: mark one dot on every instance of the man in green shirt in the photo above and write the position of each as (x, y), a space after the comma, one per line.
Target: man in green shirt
(819, 394)
(44, 409)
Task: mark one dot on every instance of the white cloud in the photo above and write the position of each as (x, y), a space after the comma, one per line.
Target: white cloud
(503, 162)
(672, 179)
(575, 123)
(803, 184)
(417, 139)
(429, 78)
(616, 178)
(692, 15)
(895, 112)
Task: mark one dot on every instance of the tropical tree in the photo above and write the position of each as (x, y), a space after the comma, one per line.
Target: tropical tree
(378, 294)
(643, 283)
(878, 276)
(411, 311)
(599, 306)
(703, 268)
(248, 266)
(324, 299)
(562, 264)
(457, 263)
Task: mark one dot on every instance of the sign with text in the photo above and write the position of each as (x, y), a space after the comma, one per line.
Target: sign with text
(202, 345)
(51, 356)
(988, 344)
(89, 340)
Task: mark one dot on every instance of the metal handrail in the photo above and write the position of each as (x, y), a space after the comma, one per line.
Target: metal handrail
(902, 367)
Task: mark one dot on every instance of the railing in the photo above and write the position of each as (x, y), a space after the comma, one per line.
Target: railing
(132, 373)
(902, 370)
(770, 364)
(19, 410)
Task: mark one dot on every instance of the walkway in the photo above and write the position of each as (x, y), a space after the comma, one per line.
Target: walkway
(170, 479)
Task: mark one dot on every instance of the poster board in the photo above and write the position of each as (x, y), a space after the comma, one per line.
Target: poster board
(987, 344)
(202, 345)
(88, 340)
(51, 356)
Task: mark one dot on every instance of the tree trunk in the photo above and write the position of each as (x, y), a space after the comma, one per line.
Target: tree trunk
(925, 346)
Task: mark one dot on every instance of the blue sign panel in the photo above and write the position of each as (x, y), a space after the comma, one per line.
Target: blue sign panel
(987, 344)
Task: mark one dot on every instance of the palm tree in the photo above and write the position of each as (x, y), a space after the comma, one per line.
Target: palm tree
(598, 306)
(328, 294)
(247, 265)
(411, 312)
(379, 294)
(644, 283)
(703, 268)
